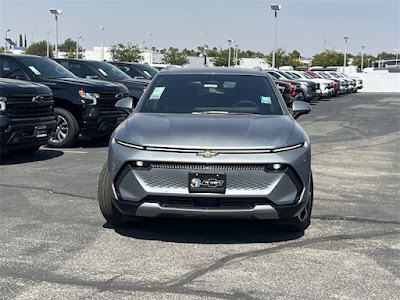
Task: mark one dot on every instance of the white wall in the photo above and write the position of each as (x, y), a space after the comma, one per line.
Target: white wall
(380, 81)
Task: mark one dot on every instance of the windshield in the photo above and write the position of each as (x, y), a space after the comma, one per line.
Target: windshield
(308, 76)
(286, 75)
(335, 75)
(324, 75)
(211, 94)
(294, 75)
(45, 68)
(109, 71)
(149, 71)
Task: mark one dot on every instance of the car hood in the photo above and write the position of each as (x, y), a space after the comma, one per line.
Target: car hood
(321, 80)
(89, 85)
(206, 131)
(14, 87)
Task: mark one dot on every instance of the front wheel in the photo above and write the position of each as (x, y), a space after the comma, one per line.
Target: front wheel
(67, 130)
(303, 220)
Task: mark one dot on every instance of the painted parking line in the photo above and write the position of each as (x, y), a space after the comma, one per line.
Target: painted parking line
(77, 152)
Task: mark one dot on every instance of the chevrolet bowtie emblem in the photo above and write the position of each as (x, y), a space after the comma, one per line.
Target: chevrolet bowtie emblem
(207, 153)
(38, 99)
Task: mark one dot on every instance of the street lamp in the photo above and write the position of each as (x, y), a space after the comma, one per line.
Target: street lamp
(230, 41)
(102, 44)
(362, 57)
(346, 37)
(56, 13)
(77, 46)
(397, 55)
(275, 8)
(5, 45)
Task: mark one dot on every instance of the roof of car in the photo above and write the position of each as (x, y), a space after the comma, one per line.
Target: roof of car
(212, 70)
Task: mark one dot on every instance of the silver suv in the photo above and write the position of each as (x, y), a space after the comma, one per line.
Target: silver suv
(209, 143)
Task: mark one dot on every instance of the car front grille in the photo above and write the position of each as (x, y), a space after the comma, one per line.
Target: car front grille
(106, 102)
(23, 107)
(220, 167)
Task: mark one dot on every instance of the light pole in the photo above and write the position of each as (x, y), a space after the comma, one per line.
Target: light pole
(47, 42)
(102, 43)
(346, 37)
(362, 57)
(77, 46)
(230, 41)
(205, 48)
(275, 8)
(56, 13)
(151, 48)
(32, 35)
(5, 45)
(397, 55)
(236, 54)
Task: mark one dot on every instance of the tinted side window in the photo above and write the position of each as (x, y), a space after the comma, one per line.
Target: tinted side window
(10, 69)
(80, 70)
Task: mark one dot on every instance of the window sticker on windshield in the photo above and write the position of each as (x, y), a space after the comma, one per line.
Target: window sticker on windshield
(103, 72)
(210, 85)
(157, 93)
(265, 100)
(34, 70)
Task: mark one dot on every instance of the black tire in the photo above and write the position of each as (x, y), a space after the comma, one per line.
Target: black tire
(67, 130)
(28, 150)
(108, 209)
(303, 220)
(304, 97)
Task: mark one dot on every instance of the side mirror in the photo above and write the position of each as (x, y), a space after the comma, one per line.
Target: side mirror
(125, 105)
(300, 108)
(20, 77)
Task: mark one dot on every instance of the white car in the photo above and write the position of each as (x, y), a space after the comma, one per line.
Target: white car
(325, 85)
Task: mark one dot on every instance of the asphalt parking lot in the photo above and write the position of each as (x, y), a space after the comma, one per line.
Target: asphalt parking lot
(56, 244)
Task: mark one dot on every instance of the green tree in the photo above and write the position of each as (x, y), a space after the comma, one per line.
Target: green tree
(385, 55)
(282, 58)
(328, 58)
(20, 40)
(174, 57)
(67, 46)
(221, 58)
(357, 60)
(126, 53)
(40, 48)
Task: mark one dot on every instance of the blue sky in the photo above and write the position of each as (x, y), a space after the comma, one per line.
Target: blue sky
(302, 24)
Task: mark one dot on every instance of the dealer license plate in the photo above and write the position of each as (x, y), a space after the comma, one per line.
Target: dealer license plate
(207, 182)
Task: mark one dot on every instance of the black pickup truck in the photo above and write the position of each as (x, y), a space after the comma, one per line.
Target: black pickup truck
(104, 71)
(26, 115)
(81, 106)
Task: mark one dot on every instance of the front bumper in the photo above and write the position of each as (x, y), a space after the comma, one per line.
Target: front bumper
(161, 189)
(19, 134)
(99, 123)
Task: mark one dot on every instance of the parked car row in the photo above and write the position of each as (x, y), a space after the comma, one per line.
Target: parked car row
(82, 101)
(316, 84)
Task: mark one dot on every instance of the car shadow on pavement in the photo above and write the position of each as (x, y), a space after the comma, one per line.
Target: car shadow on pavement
(40, 155)
(208, 231)
(97, 142)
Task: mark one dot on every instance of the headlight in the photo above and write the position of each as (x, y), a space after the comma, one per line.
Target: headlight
(89, 98)
(129, 145)
(3, 103)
